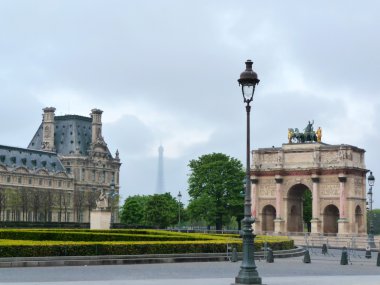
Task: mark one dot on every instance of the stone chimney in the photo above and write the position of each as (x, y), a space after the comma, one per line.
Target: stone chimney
(96, 116)
(48, 129)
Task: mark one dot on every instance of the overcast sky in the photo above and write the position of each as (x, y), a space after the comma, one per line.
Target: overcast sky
(166, 71)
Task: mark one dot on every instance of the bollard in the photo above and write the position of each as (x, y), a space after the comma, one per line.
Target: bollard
(324, 249)
(378, 259)
(344, 258)
(234, 254)
(270, 258)
(368, 252)
(306, 257)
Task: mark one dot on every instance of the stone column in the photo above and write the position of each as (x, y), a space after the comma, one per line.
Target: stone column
(278, 180)
(279, 222)
(342, 222)
(257, 225)
(315, 221)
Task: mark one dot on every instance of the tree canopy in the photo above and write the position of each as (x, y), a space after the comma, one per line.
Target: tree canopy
(155, 211)
(133, 211)
(375, 216)
(215, 188)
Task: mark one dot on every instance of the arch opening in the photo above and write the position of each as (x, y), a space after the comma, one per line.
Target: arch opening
(330, 219)
(359, 220)
(268, 217)
(299, 208)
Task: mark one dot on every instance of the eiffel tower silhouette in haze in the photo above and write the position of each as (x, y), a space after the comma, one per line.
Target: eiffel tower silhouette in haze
(160, 189)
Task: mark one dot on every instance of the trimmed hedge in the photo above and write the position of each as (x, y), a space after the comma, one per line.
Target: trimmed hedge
(90, 236)
(42, 242)
(111, 249)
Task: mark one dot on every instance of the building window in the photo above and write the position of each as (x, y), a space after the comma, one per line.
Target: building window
(40, 181)
(19, 180)
(68, 170)
(8, 179)
(59, 183)
(93, 175)
(30, 180)
(49, 182)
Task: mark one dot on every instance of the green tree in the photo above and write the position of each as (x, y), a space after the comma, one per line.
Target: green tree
(215, 187)
(161, 211)
(307, 208)
(133, 211)
(375, 216)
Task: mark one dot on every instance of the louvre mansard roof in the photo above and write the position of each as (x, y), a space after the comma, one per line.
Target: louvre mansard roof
(72, 135)
(14, 157)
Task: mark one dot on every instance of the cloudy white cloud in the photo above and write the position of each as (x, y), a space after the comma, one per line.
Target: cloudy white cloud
(166, 71)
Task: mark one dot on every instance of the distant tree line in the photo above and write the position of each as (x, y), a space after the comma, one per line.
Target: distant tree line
(216, 191)
(152, 211)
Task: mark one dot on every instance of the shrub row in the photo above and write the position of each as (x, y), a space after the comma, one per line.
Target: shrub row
(114, 248)
(95, 236)
(43, 242)
(111, 248)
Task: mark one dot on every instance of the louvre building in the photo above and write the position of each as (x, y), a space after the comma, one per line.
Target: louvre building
(61, 173)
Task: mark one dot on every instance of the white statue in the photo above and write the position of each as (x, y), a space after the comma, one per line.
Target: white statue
(102, 201)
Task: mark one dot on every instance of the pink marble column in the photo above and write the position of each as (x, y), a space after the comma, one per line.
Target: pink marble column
(254, 182)
(315, 197)
(279, 180)
(342, 196)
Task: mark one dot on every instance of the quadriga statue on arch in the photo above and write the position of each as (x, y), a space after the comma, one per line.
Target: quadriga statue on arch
(309, 135)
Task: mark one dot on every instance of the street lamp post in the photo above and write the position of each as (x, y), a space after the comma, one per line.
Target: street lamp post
(248, 273)
(371, 182)
(179, 196)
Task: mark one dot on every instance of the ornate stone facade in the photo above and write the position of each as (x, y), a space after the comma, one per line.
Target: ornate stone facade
(333, 174)
(60, 175)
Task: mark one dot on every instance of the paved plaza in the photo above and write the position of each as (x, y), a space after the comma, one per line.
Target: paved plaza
(322, 270)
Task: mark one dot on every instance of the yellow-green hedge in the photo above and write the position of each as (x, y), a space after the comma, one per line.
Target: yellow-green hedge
(30, 243)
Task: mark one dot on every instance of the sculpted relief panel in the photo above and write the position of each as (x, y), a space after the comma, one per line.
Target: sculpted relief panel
(329, 157)
(303, 158)
(358, 186)
(329, 187)
(267, 188)
(329, 190)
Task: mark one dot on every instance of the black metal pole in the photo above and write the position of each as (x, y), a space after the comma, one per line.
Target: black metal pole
(248, 273)
(179, 212)
(371, 240)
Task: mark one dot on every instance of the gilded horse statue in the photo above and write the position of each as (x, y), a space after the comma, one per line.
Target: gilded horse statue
(309, 135)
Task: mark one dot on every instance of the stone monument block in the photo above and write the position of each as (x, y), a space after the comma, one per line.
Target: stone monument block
(100, 220)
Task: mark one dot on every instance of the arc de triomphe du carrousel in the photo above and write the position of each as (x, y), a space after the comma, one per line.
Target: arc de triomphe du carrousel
(334, 175)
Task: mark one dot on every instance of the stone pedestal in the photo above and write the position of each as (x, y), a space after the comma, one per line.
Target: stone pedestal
(279, 226)
(100, 220)
(342, 226)
(315, 226)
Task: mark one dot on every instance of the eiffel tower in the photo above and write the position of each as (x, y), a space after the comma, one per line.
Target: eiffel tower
(160, 174)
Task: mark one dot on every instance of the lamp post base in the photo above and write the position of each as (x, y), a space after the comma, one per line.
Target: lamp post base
(248, 277)
(248, 273)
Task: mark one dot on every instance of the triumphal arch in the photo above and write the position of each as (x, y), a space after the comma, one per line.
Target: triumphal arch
(333, 175)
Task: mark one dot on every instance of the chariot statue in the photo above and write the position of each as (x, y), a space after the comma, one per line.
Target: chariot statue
(309, 135)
